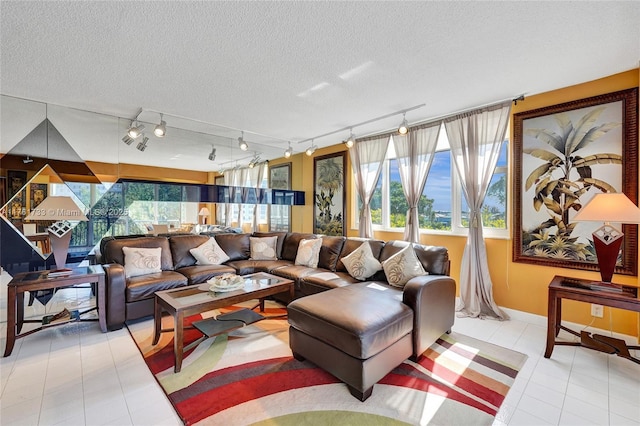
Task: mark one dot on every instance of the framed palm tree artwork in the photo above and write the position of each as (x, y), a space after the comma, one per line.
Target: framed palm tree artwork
(329, 194)
(563, 156)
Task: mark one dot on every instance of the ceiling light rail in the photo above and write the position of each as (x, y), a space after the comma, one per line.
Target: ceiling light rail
(373, 120)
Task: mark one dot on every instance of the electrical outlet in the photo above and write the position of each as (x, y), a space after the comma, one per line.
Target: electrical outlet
(597, 310)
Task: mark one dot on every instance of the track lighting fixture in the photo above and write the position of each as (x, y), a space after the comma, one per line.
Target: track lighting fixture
(288, 152)
(254, 161)
(142, 145)
(404, 126)
(127, 139)
(311, 149)
(27, 160)
(161, 129)
(212, 156)
(135, 130)
(241, 142)
(351, 140)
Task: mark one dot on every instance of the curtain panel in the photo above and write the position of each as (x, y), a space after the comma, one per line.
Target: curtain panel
(475, 138)
(414, 152)
(367, 157)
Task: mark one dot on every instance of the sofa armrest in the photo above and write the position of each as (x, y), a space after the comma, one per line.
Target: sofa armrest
(115, 283)
(432, 298)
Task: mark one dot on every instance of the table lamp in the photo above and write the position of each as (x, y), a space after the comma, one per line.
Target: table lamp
(60, 210)
(609, 207)
(204, 213)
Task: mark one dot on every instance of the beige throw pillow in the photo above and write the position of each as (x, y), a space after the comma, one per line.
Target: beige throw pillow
(360, 263)
(141, 261)
(209, 253)
(402, 266)
(263, 248)
(309, 252)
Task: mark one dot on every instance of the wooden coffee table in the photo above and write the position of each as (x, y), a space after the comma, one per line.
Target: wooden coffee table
(185, 301)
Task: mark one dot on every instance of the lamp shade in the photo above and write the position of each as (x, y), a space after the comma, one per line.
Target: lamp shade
(204, 212)
(57, 208)
(610, 207)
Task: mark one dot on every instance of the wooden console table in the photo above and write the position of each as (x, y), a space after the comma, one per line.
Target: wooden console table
(613, 295)
(39, 280)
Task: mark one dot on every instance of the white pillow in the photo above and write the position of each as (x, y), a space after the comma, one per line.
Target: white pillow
(209, 253)
(360, 263)
(141, 261)
(309, 252)
(402, 266)
(263, 248)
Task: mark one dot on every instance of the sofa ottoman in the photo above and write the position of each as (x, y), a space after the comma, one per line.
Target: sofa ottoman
(353, 332)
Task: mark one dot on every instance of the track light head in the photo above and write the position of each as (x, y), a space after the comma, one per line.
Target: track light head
(351, 140)
(127, 139)
(288, 152)
(27, 160)
(142, 145)
(241, 142)
(311, 149)
(135, 130)
(404, 126)
(161, 129)
(212, 156)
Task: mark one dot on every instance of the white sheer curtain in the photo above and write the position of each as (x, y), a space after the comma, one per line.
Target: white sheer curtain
(367, 157)
(475, 138)
(229, 180)
(241, 179)
(256, 175)
(414, 152)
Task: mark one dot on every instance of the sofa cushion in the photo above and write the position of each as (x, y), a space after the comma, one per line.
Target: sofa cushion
(291, 243)
(144, 286)
(236, 246)
(250, 266)
(352, 243)
(180, 246)
(360, 263)
(141, 261)
(209, 253)
(330, 251)
(322, 281)
(264, 248)
(197, 274)
(113, 253)
(402, 266)
(309, 253)
(356, 319)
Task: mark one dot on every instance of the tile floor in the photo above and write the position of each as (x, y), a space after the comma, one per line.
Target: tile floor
(76, 375)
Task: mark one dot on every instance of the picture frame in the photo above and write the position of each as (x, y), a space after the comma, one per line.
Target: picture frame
(329, 195)
(280, 215)
(16, 180)
(37, 194)
(563, 155)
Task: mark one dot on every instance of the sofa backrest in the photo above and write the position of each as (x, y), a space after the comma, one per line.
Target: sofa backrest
(281, 236)
(112, 249)
(434, 259)
(353, 243)
(180, 246)
(236, 246)
(330, 251)
(291, 242)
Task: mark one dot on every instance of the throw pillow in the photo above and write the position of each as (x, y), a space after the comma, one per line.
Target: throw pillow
(309, 252)
(209, 253)
(141, 261)
(360, 263)
(402, 266)
(263, 248)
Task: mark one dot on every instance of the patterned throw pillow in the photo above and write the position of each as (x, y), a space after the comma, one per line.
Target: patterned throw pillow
(360, 263)
(309, 252)
(141, 261)
(209, 253)
(402, 266)
(264, 248)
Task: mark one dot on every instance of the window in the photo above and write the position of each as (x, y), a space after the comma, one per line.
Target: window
(442, 207)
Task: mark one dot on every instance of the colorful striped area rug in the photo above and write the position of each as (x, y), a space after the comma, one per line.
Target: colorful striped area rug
(250, 378)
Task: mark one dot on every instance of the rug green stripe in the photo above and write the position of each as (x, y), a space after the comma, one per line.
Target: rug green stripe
(342, 418)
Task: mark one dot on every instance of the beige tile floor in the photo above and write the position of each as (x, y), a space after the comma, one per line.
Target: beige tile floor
(76, 375)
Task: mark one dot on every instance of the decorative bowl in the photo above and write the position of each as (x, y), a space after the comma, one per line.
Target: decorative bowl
(226, 282)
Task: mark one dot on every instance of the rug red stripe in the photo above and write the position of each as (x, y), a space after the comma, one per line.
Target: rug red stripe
(210, 402)
(462, 382)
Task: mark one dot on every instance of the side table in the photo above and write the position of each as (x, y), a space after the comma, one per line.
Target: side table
(606, 294)
(39, 280)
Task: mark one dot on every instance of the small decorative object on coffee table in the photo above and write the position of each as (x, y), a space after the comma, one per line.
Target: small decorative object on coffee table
(226, 282)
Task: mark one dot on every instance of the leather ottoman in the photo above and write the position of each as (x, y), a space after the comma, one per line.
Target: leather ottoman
(352, 332)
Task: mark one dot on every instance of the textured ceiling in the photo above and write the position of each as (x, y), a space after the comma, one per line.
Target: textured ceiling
(290, 71)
